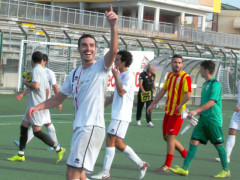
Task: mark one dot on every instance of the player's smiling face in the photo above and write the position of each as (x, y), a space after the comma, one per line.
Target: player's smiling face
(87, 50)
(177, 65)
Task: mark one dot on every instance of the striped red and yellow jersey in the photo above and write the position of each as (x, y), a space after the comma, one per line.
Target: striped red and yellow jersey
(177, 86)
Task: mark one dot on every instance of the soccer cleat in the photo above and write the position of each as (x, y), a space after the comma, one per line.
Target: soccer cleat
(60, 155)
(101, 175)
(16, 143)
(16, 158)
(139, 123)
(143, 170)
(164, 168)
(179, 170)
(218, 160)
(223, 174)
(51, 148)
(150, 124)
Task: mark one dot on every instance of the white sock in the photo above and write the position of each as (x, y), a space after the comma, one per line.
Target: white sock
(133, 156)
(21, 153)
(30, 135)
(230, 144)
(52, 133)
(108, 159)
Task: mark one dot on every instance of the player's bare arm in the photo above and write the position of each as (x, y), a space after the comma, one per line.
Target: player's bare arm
(31, 85)
(112, 20)
(159, 96)
(184, 100)
(50, 103)
(47, 93)
(204, 107)
(55, 89)
(20, 96)
(120, 90)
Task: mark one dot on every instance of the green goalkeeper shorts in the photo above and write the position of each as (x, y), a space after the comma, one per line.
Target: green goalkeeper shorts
(207, 130)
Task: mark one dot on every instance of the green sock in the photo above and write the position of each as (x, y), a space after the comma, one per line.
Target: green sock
(223, 156)
(190, 156)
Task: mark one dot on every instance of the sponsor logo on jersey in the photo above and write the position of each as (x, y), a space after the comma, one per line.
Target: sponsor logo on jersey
(76, 161)
(207, 87)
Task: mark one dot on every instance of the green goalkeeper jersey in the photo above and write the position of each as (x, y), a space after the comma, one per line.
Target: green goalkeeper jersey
(212, 91)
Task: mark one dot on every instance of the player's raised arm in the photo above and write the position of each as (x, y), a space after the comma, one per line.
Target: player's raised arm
(112, 20)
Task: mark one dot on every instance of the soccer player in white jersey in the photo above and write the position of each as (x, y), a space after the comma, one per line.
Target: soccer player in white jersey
(122, 103)
(233, 128)
(37, 89)
(47, 119)
(88, 85)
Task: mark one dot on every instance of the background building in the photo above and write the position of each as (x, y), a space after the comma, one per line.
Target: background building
(171, 11)
(228, 21)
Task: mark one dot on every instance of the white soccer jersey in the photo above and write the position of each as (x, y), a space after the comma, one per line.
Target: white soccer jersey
(122, 106)
(88, 88)
(51, 80)
(37, 96)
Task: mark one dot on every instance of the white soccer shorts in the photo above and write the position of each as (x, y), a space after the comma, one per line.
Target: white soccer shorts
(85, 147)
(46, 117)
(37, 118)
(118, 128)
(235, 121)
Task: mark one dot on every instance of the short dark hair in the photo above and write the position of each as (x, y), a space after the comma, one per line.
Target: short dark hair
(208, 64)
(37, 57)
(45, 57)
(177, 56)
(126, 57)
(86, 36)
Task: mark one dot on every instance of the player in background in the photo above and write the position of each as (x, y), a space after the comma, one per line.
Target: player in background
(146, 86)
(233, 128)
(47, 120)
(37, 90)
(178, 85)
(88, 84)
(209, 126)
(122, 103)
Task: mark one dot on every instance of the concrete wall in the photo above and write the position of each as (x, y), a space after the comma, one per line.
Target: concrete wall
(225, 21)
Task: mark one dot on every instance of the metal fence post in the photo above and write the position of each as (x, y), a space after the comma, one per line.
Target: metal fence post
(24, 52)
(69, 50)
(235, 72)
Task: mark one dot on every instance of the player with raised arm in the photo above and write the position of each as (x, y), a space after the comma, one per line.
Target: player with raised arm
(122, 103)
(178, 86)
(88, 85)
(37, 90)
(209, 126)
(47, 119)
